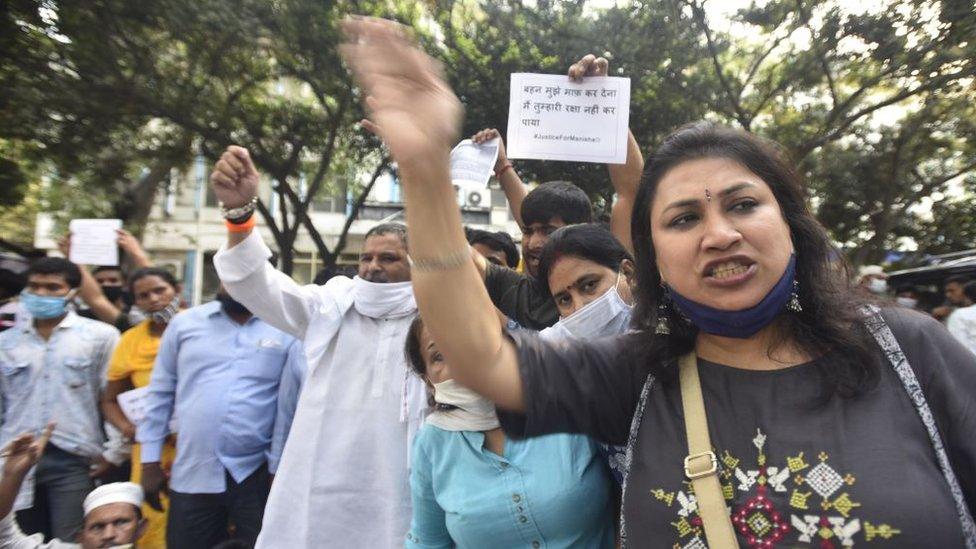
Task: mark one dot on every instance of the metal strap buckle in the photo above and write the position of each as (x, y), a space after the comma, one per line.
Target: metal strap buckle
(695, 474)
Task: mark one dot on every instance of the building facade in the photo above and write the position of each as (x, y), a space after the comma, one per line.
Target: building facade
(185, 228)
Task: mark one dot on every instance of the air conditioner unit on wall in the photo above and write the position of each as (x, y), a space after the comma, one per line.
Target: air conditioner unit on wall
(473, 196)
(478, 198)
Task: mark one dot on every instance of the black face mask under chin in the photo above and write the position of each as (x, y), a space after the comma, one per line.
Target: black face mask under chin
(231, 306)
(113, 293)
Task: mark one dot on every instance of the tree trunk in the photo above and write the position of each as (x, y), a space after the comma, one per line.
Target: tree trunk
(286, 261)
(136, 202)
(137, 198)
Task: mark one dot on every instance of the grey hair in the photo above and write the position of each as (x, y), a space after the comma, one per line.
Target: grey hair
(398, 229)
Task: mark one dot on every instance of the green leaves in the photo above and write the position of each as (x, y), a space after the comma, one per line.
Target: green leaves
(876, 102)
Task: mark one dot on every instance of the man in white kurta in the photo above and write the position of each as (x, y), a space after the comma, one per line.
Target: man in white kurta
(343, 480)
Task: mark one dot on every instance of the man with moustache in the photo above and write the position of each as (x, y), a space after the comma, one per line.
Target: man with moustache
(343, 479)
(111, 511)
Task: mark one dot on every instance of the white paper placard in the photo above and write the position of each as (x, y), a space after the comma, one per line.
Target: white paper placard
(472, 163)
(94, 241)
(133, 404)
(550, 117)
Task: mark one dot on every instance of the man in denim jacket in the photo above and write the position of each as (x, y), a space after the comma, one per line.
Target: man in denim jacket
(52, 369)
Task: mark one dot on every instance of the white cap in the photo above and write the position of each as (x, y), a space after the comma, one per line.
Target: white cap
(869, 270)
(116, 492)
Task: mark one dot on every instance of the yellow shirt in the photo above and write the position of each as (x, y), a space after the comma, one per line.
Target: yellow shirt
(133, 360)
(134, 356)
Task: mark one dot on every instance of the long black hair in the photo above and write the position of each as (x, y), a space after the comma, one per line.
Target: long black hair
(831, 319)
(590, 241)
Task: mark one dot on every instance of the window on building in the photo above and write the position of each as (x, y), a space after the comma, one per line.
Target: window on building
(498, 199)
(330, 204)
(476, 217)
(304, 268)
(381, 210)
(332, 199)
(185, 188)
(211, 198)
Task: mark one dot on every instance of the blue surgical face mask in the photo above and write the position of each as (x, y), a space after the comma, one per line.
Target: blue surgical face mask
(44, 307)
(606, 315)
(745, 323)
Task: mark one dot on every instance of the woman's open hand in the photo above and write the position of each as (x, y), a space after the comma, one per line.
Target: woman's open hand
(411, 107)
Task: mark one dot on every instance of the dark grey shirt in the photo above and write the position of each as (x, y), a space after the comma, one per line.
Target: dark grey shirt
(796, 469)
(521, 298)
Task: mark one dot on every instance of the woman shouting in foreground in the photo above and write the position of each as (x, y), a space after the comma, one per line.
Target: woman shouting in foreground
(762, 401)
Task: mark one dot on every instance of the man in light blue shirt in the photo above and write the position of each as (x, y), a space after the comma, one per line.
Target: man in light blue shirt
(231, 382)
(52, 369)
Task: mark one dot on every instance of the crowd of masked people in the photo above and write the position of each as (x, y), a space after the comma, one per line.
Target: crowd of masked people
(700, 371)
(224, 386)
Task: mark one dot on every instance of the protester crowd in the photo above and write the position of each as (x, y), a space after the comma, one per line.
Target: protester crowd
(700, 371)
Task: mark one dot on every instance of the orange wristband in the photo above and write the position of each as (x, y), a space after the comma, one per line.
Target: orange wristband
(241, 227)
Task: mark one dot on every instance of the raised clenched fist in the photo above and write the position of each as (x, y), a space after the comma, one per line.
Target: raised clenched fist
(234, 178)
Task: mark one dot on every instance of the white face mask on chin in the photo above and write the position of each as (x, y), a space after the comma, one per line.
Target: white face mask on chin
(878, 285)
(473, 412)
(606, 315)
(907, 302)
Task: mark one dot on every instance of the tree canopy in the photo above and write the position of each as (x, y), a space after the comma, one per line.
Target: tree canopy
(876, 104)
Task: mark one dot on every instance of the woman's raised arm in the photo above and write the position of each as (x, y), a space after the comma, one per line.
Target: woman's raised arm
(418, 118)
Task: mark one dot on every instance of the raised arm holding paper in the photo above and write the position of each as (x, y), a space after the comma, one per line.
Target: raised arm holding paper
(505, 173)
(552, 205)
(95, 288)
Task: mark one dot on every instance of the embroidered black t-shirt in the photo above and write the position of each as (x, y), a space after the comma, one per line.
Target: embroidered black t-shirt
(796, 469)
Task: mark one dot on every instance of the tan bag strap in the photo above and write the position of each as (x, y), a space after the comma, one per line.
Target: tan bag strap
(701, 465)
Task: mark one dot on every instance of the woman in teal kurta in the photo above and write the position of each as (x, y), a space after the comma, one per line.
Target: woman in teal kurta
(552, 491)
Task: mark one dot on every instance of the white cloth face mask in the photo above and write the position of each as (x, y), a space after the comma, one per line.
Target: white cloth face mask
(473, 412)
(383, 299)
(878, 285)
(907, 302)
(606, 315)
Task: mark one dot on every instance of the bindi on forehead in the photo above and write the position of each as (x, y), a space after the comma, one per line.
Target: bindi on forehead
(725, 193)
(581, 280)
